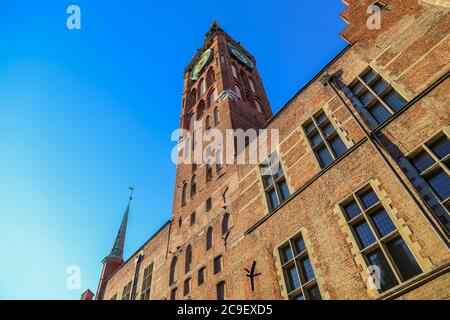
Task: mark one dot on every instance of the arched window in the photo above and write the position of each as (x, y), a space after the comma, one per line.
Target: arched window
(188, 261)
(208, 123)
(244, 79)
(234, 71)
(225, 223)
(258, 106)
(173, 271)
(238, 91)
(216, 116)
(191, 122)
(201, 87)
(212, 98)
(252, 85)
(210, 78)
(208, 172)
(183, 194)
(209, 238)
(193, 186)
(200, 109)
(192, 99)
(219, 160)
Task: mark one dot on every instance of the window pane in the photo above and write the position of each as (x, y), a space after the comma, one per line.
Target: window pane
(379, 85)
(201, 276)
(422, 161)
(366, 98)
(314, 293)
(394, 100)
(328, 129)
(369, 76)
(221, 291)
(338, 146)
(379, 112)
(267, 180)
(369, 198)
(308, 273)
(310, 127)
(299, 245)
(352, 210)
(292, 279)
(440, 182)
(357, 87)
(187, 287)
(324, 156)
(273, 198)
(321, 118)
(441, 148)
(387, 278)
(286, 254)
(403, 258)
(298, 297)
(364, 234)
(383, 223)
(284, 190)
(315, 139)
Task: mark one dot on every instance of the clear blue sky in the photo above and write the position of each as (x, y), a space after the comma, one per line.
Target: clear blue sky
(84, 114)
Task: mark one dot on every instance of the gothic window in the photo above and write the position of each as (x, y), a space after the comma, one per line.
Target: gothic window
(258, 106)
(244, 79)
(188, 261)
(275, 185)
(217, 264)
(297, 270)
(192, 122)
(377, 96)
(252, 85)
(192, 99)
(220, 289)
(212, 98)
(324, 139)
(200, 109)
(126, 293)
(201, 88)
(234, 71)
(187, 287)
(208, 172)
(193, 186)
(432, 162)
(201, 276)
(209, 238)
(226, 223)
(378, 239)
(210, 78)
(208, 123)
(192, 219)
(183, 194)
(173, 294)
(208, 204)
(147, 282)
(173, 271)
(219, 160)
(216, 116)
(238, 91)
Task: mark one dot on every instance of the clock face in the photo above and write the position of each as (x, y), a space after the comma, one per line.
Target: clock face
(197, 70)
(238, 54)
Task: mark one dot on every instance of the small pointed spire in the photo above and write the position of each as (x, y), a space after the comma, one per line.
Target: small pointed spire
(212, 30)
(117, 250)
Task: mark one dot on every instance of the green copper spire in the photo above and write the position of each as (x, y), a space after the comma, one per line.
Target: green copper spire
(117, 250)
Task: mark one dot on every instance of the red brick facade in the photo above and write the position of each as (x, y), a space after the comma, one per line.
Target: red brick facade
(410, 52)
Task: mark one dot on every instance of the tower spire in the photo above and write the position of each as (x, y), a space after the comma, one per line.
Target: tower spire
(117, 250)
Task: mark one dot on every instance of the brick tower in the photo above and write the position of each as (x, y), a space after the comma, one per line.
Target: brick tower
(222, 90)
